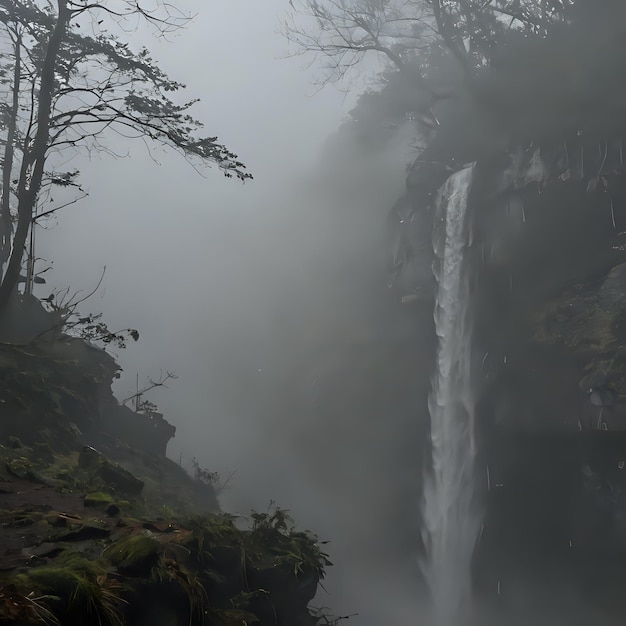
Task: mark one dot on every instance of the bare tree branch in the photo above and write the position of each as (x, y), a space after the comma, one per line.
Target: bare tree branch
(69, 90)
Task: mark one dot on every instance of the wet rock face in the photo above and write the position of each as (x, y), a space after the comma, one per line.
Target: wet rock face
(410, 226)
(550, 369)
(546, 254)
(547, 261)
(554, 527)
(588, 324)
(549, 279)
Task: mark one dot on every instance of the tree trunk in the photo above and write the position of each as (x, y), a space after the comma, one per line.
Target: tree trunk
(448, 37)
(5, 207)
(35, 157)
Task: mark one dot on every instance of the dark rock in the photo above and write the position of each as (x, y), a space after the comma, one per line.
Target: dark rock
(15, 442)
(428, 175)
(226, 561)
(233, 617)
(84, 533)
(45, 480)
(148, 432)
(43, 453)
(116, 477)
(88, 457)
(602, 397)
(19, 469)
(46, 549)
(62, 519)
(112, 510)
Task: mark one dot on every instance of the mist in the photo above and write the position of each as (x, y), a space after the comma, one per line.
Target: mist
(253, 302)
(250, 294)
(296, 310)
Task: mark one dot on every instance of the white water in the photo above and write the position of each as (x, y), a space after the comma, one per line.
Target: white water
(450, 524)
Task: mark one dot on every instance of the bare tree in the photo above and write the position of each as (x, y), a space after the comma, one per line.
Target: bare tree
(137, 397)
(406, 32)
(66, 84)
(342, 32)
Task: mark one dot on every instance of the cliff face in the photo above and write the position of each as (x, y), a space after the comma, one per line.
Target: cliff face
(98, 526)
(549, 287)
(547, 259)
(549, 305)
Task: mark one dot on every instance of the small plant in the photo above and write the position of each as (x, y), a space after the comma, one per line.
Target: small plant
(170, 570)
(92, 328)
(297, 551)
(302, 554)
(273, 520)
(210, 530)
(88, 327)
(76, 586)
(203, 475)
(212, 479)
(243, 599)
(145, 406)
(323, 617)
(136, 554)
(16, 608)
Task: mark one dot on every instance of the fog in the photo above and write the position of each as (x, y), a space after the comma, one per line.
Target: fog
(239, 287)
(407, 329)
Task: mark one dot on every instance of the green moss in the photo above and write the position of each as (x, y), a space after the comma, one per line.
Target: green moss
(76, 587)
(211, 531)
(135, 554)
(22, 520)
(57, 580)
(216, 528)
(20, 468)
(275, 542)
(63, 468)
(99, 499)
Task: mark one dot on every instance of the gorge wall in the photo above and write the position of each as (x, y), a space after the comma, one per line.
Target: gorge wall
(547, 261)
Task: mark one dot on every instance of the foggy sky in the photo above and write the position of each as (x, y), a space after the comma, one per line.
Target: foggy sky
(204, 268)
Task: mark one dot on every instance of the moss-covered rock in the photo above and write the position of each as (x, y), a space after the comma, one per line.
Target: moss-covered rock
(98, 499)
(134, 555)
(119, 479)
(76, 589)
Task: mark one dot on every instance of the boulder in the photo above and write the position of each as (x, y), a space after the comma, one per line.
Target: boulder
(118, 478)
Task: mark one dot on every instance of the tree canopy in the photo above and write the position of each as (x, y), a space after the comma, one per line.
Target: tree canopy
(343, 31)
(513, 61)
(69, 79)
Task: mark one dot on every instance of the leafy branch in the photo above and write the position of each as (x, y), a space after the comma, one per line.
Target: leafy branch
(211, 479)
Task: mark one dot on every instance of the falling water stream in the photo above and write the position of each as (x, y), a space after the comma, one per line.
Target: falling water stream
(450, 524)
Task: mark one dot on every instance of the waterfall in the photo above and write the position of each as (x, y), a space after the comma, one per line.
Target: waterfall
(450, 525)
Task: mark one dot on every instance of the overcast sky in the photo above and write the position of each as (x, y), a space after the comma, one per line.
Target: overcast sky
(198, 266)
(171, 239)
